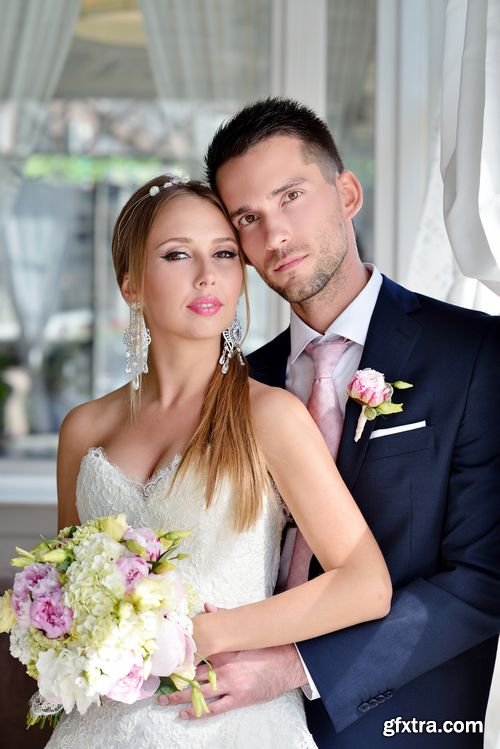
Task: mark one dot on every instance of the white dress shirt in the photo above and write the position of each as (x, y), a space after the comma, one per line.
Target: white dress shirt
(353, 324)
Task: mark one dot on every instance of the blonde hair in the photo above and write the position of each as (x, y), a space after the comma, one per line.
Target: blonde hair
(224, 444)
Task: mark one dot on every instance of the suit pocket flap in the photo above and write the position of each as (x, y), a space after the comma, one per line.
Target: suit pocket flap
(400, 443)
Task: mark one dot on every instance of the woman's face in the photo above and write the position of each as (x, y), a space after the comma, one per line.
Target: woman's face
(193, 275)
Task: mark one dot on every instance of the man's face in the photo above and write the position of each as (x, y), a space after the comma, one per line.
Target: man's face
(290, 219)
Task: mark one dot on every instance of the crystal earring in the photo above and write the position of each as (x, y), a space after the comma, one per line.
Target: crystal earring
(232, 339)
(136, 339)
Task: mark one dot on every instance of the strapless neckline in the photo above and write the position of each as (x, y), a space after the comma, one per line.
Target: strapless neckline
(145, 487)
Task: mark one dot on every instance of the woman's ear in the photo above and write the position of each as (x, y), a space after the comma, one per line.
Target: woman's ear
(126, 289)
(351, 194)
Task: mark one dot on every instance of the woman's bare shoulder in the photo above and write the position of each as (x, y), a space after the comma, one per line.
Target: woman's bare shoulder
(90, 421)
(275, 410)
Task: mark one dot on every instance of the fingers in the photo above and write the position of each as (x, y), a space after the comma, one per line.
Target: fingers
(216, 707)
(210, 608)
(176, 698)
(202, 672)
(184, 696)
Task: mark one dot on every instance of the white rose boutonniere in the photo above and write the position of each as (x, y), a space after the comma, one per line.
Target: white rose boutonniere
(374, 394)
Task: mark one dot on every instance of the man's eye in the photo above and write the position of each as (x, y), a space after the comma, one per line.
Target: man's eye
(248, 219)
(292, 195)
(175, 255)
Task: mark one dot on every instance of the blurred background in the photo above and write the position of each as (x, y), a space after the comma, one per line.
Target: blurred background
(98, 96)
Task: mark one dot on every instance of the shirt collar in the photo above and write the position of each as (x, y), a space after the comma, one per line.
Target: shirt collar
(352, 323)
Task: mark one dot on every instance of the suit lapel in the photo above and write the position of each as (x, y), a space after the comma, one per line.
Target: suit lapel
(391, 337)
(268, 364)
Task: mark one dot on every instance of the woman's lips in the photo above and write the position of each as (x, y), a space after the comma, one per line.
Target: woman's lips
(205, 306)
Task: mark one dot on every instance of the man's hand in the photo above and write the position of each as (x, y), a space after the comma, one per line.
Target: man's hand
(243, 678)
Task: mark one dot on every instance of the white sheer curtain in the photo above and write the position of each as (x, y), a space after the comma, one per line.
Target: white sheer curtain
(457, 249)
(212, 52)
(433, 268)
(470, 137)
(208, 50)
(35, 37)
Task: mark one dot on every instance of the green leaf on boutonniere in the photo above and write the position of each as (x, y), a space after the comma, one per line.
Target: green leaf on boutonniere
(370, 413)
(387, 408)
(401, 385)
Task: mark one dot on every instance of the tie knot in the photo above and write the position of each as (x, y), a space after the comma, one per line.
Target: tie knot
(326, 356)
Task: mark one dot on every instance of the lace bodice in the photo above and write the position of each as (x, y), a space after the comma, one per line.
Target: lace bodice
(226, 568)
(213, 547)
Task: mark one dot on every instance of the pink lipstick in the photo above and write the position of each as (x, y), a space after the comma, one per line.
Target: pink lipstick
(205, 305)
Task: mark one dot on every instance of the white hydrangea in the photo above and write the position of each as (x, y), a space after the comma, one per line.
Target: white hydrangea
(94, 583)
(20, 644)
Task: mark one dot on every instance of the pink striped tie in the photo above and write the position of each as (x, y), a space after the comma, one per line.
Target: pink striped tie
(324, 407)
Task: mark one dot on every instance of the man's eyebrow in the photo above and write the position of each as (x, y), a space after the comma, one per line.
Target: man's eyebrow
(287, 186)
(293, 183)
(239, 211)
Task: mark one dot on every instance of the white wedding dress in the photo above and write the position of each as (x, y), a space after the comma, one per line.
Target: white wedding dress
(227, 569)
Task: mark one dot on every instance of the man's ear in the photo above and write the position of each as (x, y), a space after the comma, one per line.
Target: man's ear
(351, 194)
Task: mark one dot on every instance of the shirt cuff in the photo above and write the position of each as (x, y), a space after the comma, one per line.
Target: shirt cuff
(309, 689)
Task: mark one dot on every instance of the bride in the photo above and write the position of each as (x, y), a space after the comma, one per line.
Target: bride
(201, 448)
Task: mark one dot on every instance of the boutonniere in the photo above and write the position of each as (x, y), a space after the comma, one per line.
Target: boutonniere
(374, 394)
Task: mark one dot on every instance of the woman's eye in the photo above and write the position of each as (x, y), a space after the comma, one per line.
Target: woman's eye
(175, 255)
(248, 219)
(292, 195)
(226, 253)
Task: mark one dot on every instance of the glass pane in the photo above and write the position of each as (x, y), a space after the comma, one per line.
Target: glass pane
(104, 133)
(350, 99)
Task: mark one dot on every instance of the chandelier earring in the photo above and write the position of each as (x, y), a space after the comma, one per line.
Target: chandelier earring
(232, 338)
(136, 339)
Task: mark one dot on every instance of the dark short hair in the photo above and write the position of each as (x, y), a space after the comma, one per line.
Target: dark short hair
(267, 117)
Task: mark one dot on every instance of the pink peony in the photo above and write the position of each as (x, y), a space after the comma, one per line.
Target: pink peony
(189, 656)
(50, 615)
(149, 687)
(146, 538)
(132, 569)
(33, 582)
(369, 388)
(172, 649)
(129, 688)
(22, 607)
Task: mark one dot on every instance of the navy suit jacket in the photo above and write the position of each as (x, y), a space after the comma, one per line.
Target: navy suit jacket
(432, 499)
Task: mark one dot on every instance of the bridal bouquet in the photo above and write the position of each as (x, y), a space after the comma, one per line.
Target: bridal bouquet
(102, 612)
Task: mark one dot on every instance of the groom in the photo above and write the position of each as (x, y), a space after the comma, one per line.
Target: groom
(427, 479)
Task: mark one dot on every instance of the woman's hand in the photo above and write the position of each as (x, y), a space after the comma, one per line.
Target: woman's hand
(202, 629)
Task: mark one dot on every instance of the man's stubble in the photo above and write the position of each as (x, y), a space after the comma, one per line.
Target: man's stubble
(326, 279)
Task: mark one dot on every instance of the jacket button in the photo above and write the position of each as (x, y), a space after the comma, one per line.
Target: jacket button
(373, 702)
(380, 698)
(364, 707)
(388, 694)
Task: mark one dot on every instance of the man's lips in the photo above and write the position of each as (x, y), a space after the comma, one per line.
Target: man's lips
(205, 305)
(287, 263)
